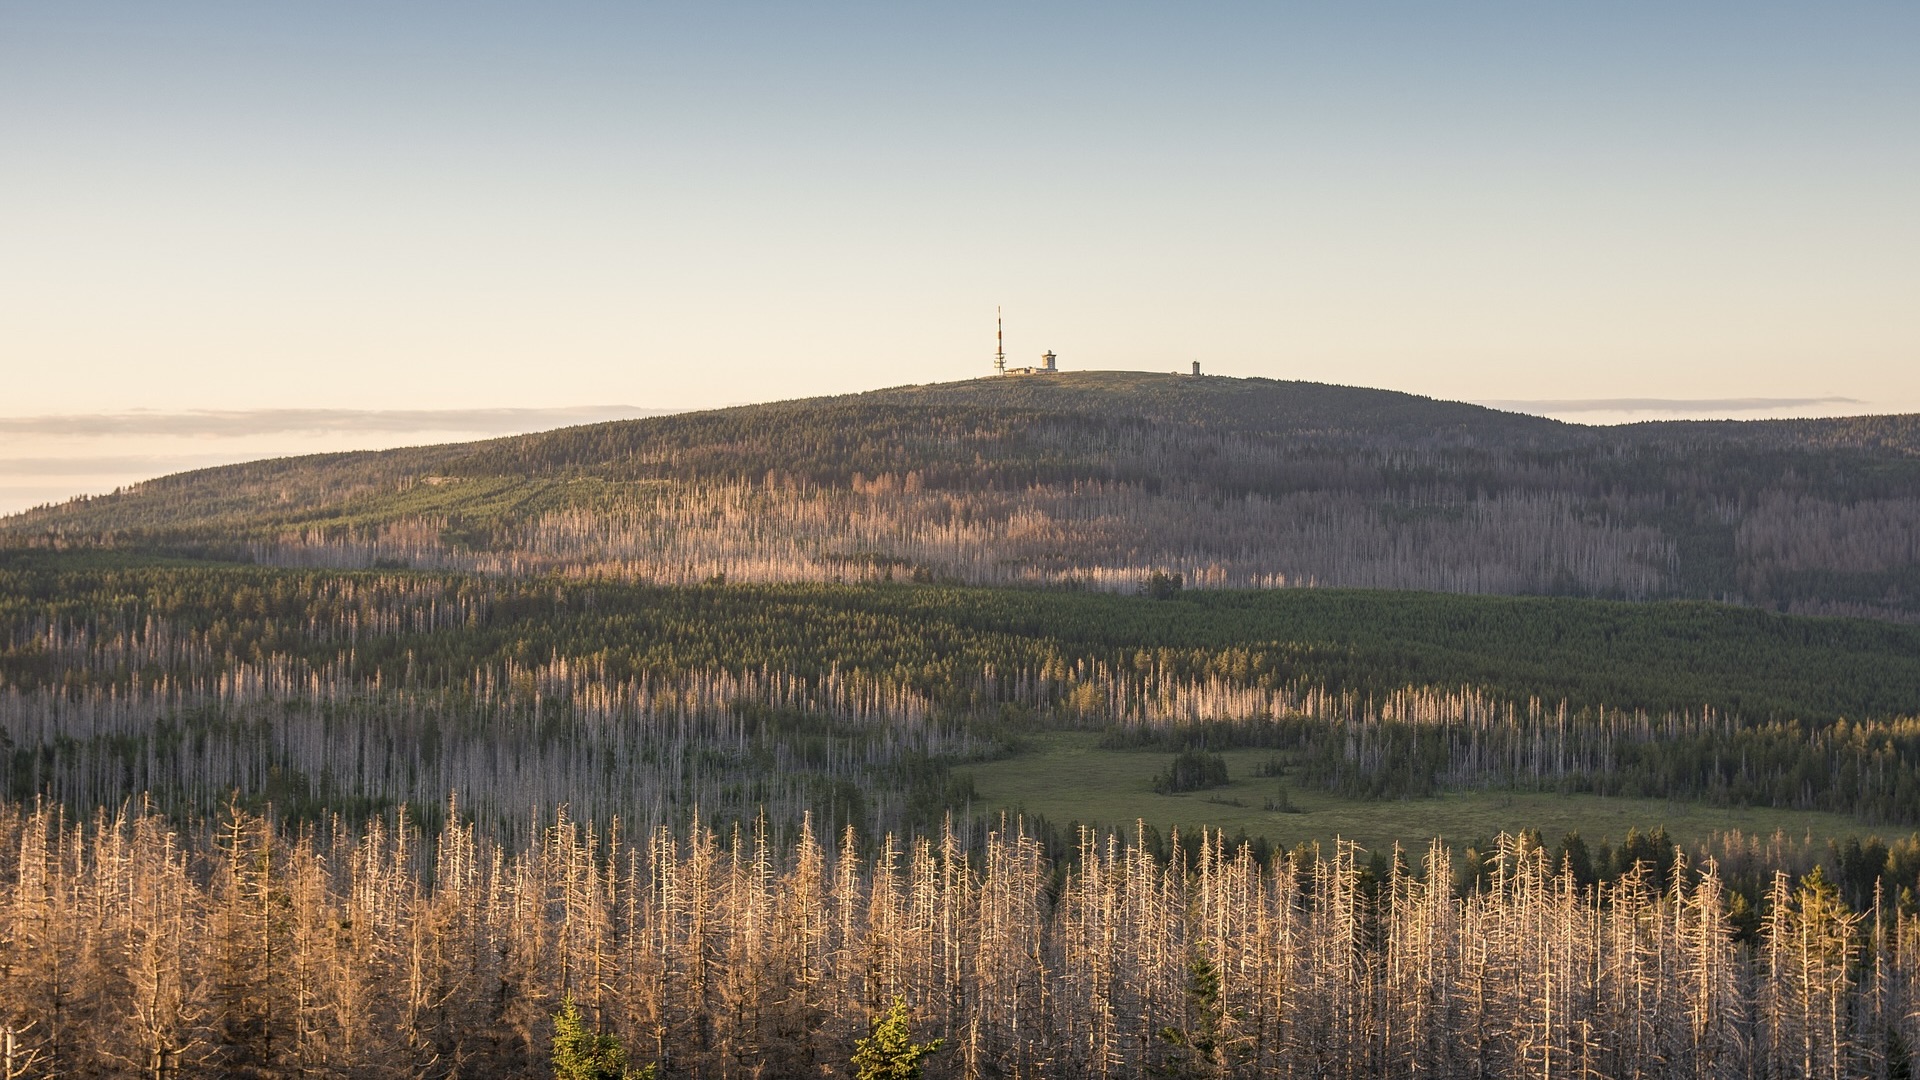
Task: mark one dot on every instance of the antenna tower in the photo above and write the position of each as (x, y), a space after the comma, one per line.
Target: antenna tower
(999, 345)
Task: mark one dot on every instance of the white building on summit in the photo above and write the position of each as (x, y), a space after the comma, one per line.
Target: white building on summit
(1049, 363)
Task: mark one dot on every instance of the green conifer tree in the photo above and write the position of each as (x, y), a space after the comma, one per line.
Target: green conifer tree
(579, 1054)
(1198, 1051)
(889, 1052)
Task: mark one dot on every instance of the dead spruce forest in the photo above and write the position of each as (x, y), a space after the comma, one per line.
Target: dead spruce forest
(361, 765)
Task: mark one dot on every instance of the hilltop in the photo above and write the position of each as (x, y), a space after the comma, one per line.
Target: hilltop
(1093, 479)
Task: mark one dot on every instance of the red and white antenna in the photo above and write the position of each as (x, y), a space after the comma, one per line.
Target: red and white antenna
(999, 344)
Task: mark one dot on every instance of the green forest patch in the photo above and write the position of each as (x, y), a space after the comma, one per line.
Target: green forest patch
(1068, 777)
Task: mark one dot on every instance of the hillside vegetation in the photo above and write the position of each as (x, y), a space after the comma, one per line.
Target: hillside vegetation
(713, 734)
(331, 692)
(1093, 480)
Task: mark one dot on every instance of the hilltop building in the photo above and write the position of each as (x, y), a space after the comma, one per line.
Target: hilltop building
(1049, 363)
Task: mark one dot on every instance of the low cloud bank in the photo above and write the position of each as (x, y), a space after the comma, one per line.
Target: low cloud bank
(47, 459)
(1666, 405)
(239, 422)
(107, 465)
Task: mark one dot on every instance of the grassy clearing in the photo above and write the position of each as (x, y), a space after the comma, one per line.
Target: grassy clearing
(1066, 776)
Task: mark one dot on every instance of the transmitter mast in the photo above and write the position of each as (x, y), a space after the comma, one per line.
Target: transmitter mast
(999, 345)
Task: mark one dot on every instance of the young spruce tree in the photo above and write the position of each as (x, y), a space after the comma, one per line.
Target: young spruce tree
(889, 1052)
(579, 1054)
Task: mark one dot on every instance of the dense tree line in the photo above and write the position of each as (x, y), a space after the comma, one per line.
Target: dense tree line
(1414, 746)
(98, 621)
(128, 947)
(357, 692)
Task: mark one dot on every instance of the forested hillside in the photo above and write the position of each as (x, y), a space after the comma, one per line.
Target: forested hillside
(363, 765)
(1093, 480)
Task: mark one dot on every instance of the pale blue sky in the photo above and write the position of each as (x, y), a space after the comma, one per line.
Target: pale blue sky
(481, 205)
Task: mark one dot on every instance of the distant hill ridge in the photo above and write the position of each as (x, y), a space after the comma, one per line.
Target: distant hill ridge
(1093, 479)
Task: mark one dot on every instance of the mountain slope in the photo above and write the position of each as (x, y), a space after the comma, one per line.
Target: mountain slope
(1094, 479)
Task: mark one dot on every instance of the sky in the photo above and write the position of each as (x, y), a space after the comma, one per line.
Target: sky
(1599, 212)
